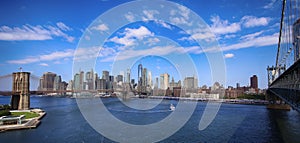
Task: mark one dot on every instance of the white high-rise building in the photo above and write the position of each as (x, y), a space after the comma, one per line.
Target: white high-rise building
(128, 76)
(77, 84)
(164, 81)
(56, 83)
(70, 85)
(90, 80)
(191, 82)
(150, 84)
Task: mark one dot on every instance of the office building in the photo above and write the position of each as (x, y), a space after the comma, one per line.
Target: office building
(47, 81)
(164, 81)
(149, 79)
(191, 82)
(119, 78)
(105, 75)
(253, 82)
(70, 85)
(57, 83)
(101, 84)
(81, 81)
(128, 76)
(90, 80)
(77, 85)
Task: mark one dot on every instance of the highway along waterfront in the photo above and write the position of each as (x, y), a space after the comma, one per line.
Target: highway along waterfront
(233, 123)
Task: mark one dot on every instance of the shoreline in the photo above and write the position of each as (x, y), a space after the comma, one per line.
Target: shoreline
(227, 101)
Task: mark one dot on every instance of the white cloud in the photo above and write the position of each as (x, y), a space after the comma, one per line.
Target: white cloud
(130, 36)
(129, 16)
(56, 55)
(223, 26)
(181, 16)
(44, 64)
(157, 50)
(152, 41)
(28, 32)
(203, 36)
(149, 14)
(46, 57)
(101, 27)
(179, 20)
(270, 4)
(86, 37)
(90, 53)
(252, 21)
(24, 61)
(251, 36)
(198, 34)
(229, 55)
(256, 41)
(63, 27)
(163, 24)
(80, 54)
(248, 41)
(229, 36)
(185, 12)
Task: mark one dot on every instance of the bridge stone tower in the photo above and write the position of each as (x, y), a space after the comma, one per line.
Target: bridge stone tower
(20, 99)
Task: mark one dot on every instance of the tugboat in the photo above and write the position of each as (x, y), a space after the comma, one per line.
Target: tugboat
(172, 107)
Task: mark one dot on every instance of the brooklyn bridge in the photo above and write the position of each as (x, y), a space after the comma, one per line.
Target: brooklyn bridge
(283, 77)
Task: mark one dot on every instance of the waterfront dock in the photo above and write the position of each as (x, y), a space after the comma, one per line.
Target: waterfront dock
(28, 123)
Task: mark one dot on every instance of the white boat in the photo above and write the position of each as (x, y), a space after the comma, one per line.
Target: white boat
(172, 107)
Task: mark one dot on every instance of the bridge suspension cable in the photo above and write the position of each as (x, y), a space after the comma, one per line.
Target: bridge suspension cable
(5, 76)
(288, 47)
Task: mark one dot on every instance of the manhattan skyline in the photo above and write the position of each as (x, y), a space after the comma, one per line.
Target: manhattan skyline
(43, 36)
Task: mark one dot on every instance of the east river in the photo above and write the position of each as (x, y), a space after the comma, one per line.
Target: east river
(233, 123)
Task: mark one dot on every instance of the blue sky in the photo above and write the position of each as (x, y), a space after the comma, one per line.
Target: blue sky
(42, 36)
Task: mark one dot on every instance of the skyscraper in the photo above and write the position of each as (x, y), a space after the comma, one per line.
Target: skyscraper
(105, 75)
(47, 81)
(70, 85)
(109, 83)
(140, 70)
(101, 84)
(253, 82)
(144, 78)
(156, 83)
(164, 81)
(191, 82)
(172, 84)
(90, 80)
(57, 83)
(81, 80)
(150, 84)
(77, 85)
(128, 76)
(119, 78)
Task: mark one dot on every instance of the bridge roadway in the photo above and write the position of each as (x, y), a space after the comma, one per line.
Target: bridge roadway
(287, 86)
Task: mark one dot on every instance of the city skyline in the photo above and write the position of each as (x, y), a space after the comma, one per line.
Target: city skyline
(248, 38)
(88, 81)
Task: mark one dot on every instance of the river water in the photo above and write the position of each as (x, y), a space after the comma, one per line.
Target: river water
(233, 123)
